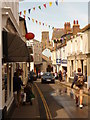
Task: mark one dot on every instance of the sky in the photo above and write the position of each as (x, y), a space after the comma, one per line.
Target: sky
(55, 16)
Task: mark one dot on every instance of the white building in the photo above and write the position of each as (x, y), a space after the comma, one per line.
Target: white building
(10, 39)
(78, 53)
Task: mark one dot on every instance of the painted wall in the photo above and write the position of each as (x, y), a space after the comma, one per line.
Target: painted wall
(14, 6)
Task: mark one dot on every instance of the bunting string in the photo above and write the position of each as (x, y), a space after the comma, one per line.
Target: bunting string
(24, 13)
(39, 7)
(37, 22)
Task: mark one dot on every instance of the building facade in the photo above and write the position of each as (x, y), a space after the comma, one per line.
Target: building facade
(45, 40)
(37, 54)
(11, 52)
(78, 54)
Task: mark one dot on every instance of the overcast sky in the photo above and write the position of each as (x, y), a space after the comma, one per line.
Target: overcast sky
(55, 16)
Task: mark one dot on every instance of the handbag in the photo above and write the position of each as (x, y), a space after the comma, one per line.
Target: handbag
(32, 95)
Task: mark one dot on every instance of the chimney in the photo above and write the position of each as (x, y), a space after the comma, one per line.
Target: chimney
(76, 27)
(67, 27)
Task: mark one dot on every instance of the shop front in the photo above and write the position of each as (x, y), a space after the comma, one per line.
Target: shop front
(15, 52)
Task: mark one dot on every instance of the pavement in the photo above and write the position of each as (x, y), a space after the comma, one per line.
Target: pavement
(27, 110)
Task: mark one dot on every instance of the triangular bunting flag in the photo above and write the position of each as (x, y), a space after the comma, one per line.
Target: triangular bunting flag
(32, 19)
(52, 27)
(50, 4)
(34, 8)
(24, 12)
(29, 18)
(20, 13)
(36, 21)
(29, 10)
(56, 2)
(44, 5)
(39, 7)
(39, 23)
(24, 16)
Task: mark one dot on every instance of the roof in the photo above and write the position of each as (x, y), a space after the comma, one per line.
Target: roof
(45, 58)
(85, 28)
(57, 33)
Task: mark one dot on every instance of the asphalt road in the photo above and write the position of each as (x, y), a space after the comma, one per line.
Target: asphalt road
(56, 110)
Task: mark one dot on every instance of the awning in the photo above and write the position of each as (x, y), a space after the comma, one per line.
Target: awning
(14, 48)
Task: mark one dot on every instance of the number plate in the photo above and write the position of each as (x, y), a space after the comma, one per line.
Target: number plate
(48, 80)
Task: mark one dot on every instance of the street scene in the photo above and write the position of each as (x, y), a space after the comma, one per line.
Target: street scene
(44, 60)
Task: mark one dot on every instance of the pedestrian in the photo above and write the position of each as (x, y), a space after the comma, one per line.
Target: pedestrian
(64, 75)
(60, 75)
(75, 73)
(31, 76)
(56, 75)
(79, 82)
(17, 83)
(28, 91)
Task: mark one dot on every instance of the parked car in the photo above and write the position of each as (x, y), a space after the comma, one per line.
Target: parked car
(47, 77)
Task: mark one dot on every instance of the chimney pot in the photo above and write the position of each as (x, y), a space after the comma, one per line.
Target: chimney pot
(77, 21)
(74, 22)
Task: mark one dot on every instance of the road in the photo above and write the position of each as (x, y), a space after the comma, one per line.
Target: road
(52, 101)
(55, 110)
(58, 102)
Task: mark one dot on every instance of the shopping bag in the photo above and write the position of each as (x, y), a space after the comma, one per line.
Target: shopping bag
(32, 95)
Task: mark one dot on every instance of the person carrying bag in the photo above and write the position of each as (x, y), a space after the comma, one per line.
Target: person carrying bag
(79, 82)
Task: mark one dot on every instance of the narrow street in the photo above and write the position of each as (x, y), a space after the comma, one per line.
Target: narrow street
(50, 103)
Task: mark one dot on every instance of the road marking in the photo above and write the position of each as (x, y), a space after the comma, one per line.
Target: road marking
(48, 114)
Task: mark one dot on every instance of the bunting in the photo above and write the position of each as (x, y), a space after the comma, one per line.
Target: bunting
(36, 21)
(39, 23)
(32, 19)
(34, 8)
(20, 13)
(39, 7)
(50, 4)
(24, 16)
(29, 18)
(56, 2)
(29, 10)
(24, 12)
(44, 5)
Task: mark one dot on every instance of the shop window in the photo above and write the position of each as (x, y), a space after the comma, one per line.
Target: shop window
(4, 80)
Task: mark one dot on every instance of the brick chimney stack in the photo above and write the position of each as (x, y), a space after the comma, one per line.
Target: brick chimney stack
(67, 27)
(76, 27)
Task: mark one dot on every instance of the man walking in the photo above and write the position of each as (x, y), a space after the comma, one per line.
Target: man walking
(79, 82)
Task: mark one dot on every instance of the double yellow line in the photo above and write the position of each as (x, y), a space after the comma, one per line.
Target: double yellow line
(48, 114)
